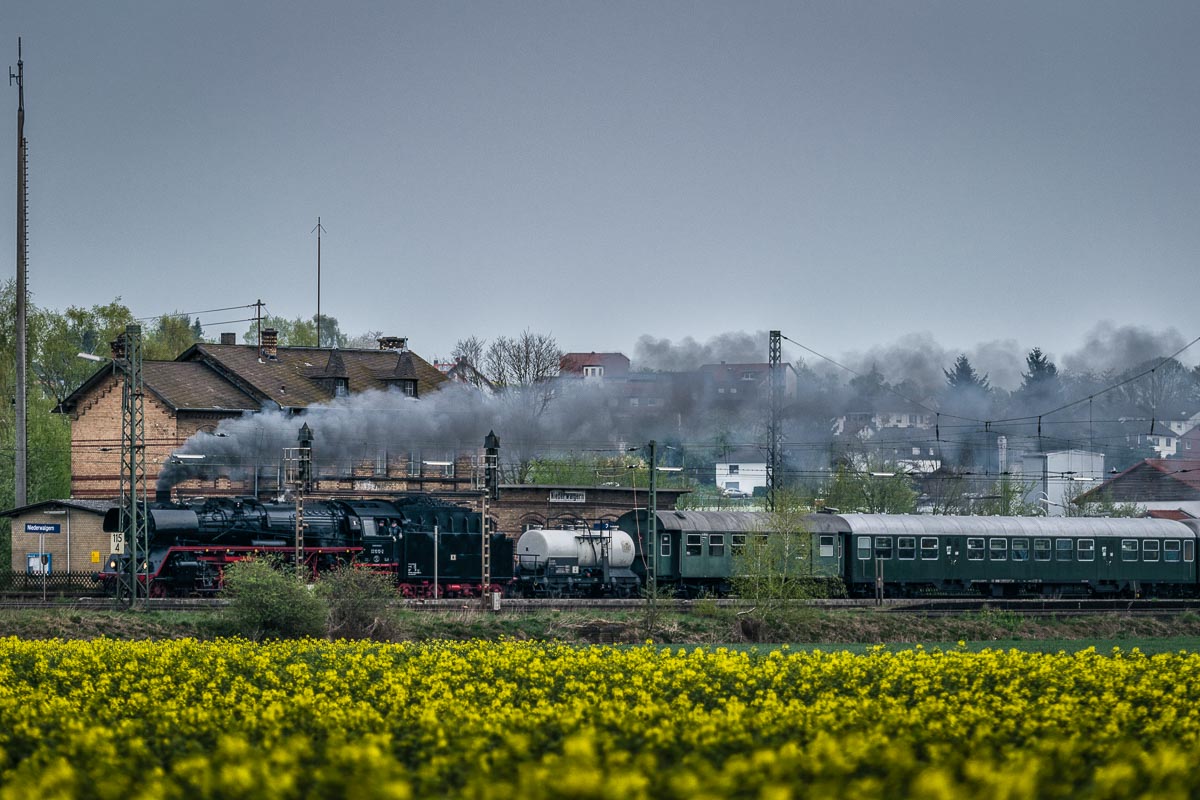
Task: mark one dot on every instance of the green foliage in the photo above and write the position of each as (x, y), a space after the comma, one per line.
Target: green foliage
(1006, 498)
(879, 489)
(358, 603)
(299, 332)
(169, 336)
(776, 563)
(269, 603)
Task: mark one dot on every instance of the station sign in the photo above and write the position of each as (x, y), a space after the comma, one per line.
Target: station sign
(566, 496)
(43, 527)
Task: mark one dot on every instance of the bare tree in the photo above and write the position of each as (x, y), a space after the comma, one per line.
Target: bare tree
(524, 360)
(472, 349)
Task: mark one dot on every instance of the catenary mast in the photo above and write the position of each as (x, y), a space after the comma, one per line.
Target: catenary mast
(21, 471)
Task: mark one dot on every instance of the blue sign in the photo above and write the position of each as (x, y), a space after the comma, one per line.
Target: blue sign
(42, 527)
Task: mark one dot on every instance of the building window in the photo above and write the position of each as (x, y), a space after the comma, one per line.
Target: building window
(733, 469)
(593, 372)
(408, 388)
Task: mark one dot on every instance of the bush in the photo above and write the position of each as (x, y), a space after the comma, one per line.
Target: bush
(358, 603)
(267, 602)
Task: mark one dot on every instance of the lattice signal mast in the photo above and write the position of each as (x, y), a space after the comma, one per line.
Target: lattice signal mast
(775, 423)
(298, 474)
(127, 359)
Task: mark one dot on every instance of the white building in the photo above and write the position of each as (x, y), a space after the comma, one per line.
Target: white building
(1057, 477)
(742, 471)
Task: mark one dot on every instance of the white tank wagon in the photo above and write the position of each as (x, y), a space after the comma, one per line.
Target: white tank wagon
(576, 563)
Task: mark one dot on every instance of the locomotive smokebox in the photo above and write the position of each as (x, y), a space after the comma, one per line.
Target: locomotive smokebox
(162, 495)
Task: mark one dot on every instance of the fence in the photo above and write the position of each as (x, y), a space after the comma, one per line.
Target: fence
(58, 584)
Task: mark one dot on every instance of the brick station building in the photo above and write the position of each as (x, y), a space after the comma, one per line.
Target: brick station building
(209, 383)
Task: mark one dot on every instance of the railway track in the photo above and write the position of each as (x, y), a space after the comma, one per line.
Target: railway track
(937, 607)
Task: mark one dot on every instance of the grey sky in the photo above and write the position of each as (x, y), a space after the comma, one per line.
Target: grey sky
(847, 172)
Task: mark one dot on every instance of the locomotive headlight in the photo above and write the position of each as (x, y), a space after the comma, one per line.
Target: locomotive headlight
(112, 564)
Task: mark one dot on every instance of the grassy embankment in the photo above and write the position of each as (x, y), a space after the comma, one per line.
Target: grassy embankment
(840, 629)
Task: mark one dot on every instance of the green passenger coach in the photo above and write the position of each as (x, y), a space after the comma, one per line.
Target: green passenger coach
(1011, 556)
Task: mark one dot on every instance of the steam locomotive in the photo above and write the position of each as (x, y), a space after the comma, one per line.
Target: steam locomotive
(422, 541)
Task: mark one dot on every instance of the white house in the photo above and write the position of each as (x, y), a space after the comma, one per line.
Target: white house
(742, 471)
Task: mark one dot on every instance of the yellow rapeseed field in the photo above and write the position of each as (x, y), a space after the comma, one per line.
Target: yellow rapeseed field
(185, 719)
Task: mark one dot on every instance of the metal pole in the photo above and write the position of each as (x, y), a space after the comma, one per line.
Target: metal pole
(652, 526)
(20, 481)
(436, 541)
(42, 557)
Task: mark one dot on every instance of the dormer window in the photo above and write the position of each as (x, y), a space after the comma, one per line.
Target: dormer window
(341, 387)
(407, 387)
(593, 372)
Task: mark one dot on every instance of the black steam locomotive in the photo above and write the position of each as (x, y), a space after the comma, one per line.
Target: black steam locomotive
(420, 540)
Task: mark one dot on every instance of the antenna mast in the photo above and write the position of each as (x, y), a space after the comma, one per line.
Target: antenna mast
(318, 229)
(22, 444)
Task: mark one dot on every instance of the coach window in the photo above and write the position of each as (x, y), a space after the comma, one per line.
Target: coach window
(664, 548)
(1065, 549)
(1041, 549)
(826, 547)
(695, 546)
(1129, 549)
(1087, 549)
(1189, 551)
(716, 544)
(998, 549)
(883, 547)
(737, 544)
(864, 548)
(1150, 550)
(1171, 550)
(975, 549)
(1020, 550)
(906, 548)
(929, 548)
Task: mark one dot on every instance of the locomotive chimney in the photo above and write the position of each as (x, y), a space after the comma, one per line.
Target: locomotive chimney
(228, 338)
(162, 495)
(270, 344)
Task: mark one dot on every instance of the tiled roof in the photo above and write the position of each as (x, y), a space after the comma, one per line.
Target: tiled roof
(1152, 479)
(92, 506)
(297, 376)
(615, 364)
(194, 385)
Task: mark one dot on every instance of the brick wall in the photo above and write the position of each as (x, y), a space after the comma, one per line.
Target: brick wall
(96, 441)
(81, 544)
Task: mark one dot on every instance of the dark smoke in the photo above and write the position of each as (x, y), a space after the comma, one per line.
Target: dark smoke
(663, 355)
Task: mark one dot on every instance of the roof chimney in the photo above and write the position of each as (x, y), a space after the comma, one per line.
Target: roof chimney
(270, 344)
(228, 338)
(393, 343)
